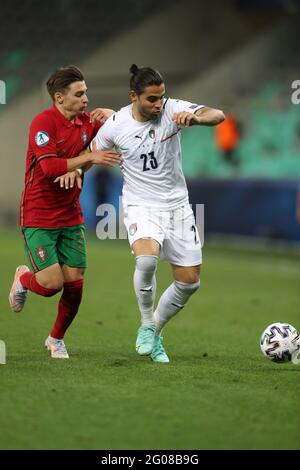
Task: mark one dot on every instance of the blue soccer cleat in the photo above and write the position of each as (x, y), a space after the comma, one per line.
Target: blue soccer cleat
(158, 353)
(145, 340)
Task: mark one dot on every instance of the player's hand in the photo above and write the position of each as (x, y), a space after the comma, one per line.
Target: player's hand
(185, 119)
(106, 157)
(100, 115)
(69, 179)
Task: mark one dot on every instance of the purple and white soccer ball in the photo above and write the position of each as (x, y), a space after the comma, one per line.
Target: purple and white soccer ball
(280, 342)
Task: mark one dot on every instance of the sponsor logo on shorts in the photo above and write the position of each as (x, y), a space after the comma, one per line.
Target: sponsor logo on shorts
(132, 229)
(41, 253)
(193, 106)
(41, 138)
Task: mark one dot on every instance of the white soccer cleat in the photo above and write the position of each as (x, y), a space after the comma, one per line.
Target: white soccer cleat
(57, 347)
(18, 293)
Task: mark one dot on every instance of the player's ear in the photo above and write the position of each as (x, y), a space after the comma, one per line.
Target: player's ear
(58, 97)
(133, 95)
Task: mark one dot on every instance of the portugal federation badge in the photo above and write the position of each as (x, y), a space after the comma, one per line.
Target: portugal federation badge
(41, 253)
(84, 137)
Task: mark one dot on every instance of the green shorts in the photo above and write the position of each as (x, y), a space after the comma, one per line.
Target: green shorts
(47, 246)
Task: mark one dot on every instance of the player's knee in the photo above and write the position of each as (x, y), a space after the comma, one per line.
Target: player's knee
(146, 263)
(52, 284)
(188, 288)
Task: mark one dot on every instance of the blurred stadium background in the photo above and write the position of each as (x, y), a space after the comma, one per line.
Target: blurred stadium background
(238, 55)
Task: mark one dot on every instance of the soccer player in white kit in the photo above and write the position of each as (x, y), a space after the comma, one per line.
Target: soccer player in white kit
(157, 215)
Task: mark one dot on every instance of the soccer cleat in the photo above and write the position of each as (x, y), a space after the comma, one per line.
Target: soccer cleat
(158, 353)
(57, 347)
(145, 340)
(18, 293)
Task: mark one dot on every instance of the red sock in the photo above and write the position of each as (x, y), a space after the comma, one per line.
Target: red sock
(28, 280)
(67, 307)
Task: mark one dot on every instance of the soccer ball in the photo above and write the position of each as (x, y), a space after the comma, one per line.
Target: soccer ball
(280, 342)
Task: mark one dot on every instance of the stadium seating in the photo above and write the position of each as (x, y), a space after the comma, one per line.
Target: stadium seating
(269, 147)
(70, 32)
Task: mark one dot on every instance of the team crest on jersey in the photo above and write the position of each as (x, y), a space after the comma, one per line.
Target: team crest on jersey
(152, 133)
(132, 229)
(41, 138)
(84, 137)
(41, 253)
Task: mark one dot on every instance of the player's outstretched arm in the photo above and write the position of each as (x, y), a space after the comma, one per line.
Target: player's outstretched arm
(99, 157)
(203, 117)
(209, 116)
(96, 157)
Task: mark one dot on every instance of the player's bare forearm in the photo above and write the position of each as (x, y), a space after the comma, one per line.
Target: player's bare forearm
(89, 165)
(203, 117)
(106, 157)
(99, 157)
(209, 116)
(79, 162)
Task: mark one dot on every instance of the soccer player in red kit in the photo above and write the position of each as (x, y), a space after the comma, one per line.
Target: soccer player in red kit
(51, 219)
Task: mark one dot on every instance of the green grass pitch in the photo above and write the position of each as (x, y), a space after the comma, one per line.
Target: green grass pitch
(218, 392)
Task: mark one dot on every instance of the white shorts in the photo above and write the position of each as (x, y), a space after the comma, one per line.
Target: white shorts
(175, 230)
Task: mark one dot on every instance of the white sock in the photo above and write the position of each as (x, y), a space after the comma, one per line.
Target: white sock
(172, 300)
(145, 286)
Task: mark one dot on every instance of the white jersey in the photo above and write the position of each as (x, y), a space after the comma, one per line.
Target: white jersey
(151, 153)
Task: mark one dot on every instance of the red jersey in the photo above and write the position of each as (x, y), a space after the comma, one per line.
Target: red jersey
(44, 203)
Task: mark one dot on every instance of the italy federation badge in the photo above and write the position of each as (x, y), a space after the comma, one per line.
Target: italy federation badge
(132, 229)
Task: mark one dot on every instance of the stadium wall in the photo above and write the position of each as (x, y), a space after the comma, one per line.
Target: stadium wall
(256, 208)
